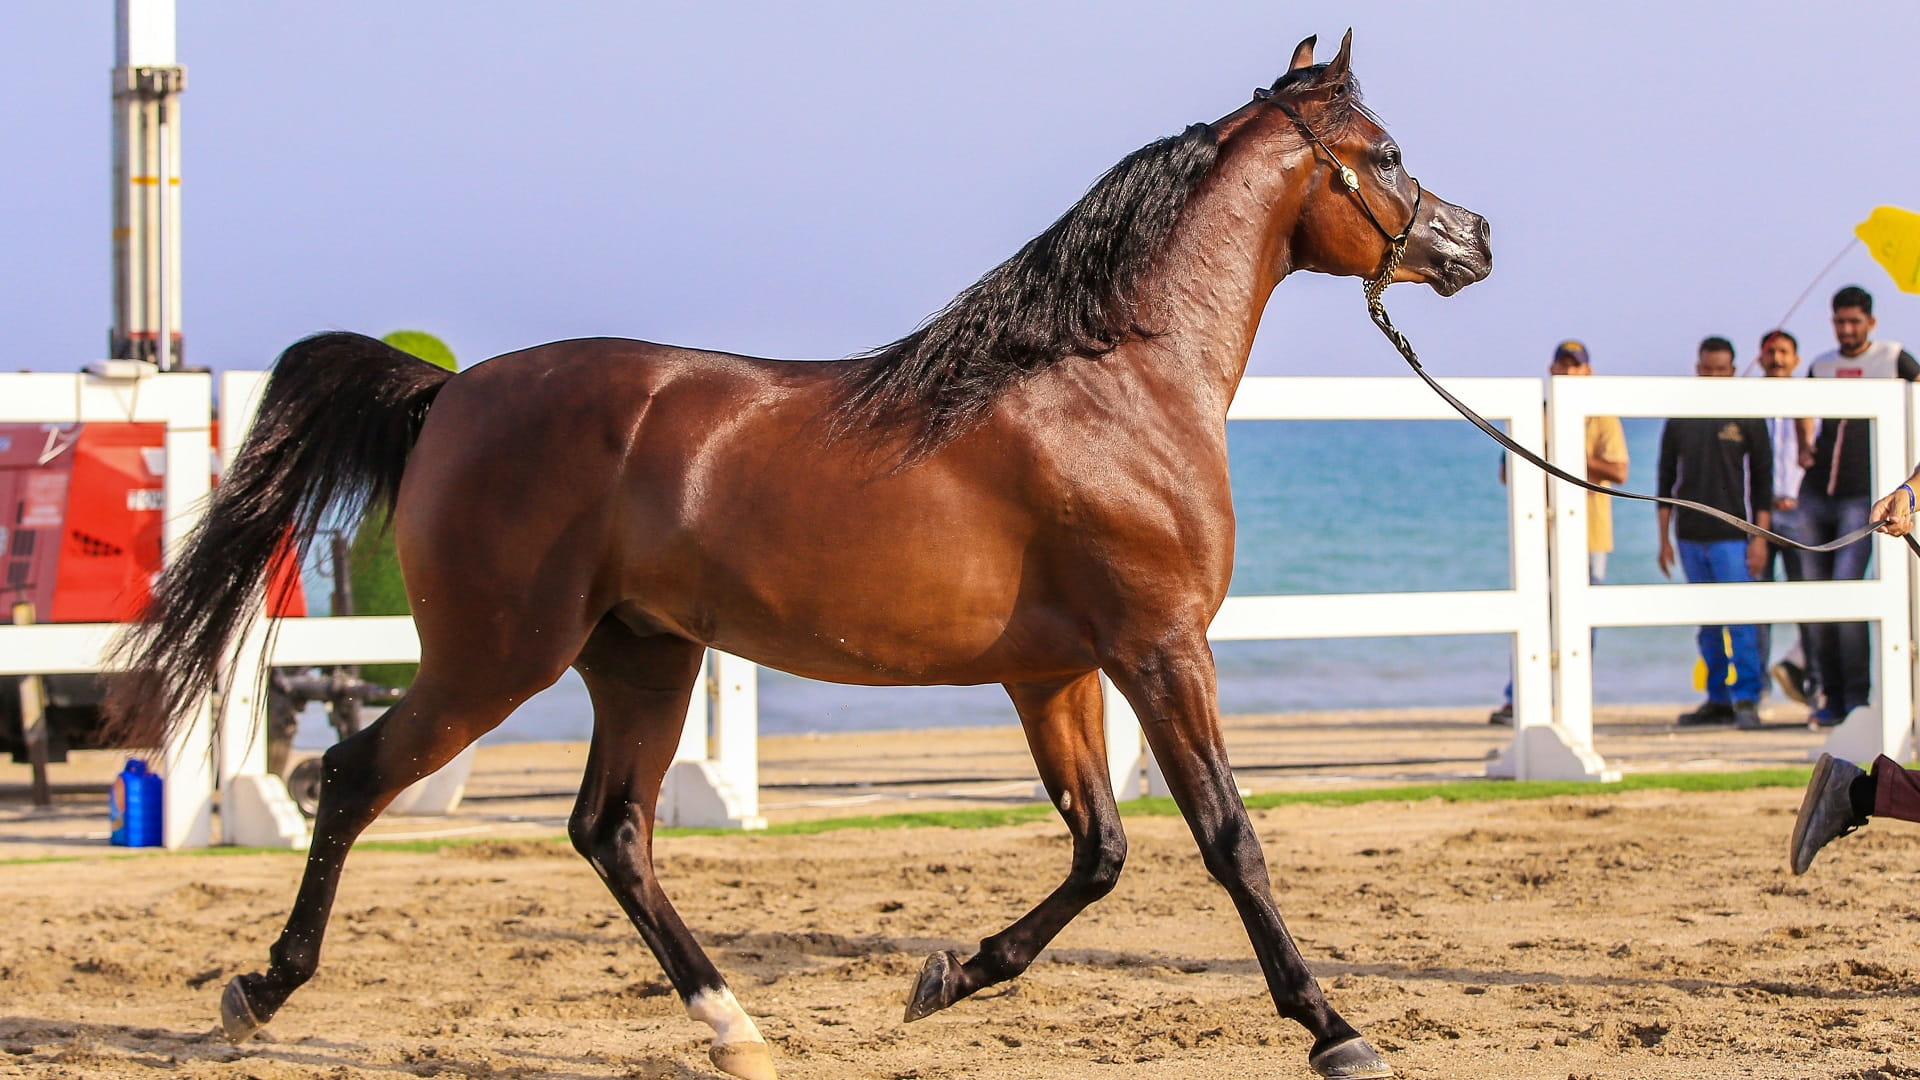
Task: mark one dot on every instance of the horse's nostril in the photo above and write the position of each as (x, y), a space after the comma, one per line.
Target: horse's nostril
(1486, 230)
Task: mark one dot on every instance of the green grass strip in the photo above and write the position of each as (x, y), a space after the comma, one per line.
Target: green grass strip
(1453, 791)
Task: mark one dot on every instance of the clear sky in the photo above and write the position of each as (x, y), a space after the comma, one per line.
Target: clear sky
(812, 180)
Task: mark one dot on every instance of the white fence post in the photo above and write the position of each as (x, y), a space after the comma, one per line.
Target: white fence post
(255, 808)
(1911, 736)
(1127, 755)
(1868, 732)
(186, 760)
(714, 781)
(695, 744)
(1555, 743)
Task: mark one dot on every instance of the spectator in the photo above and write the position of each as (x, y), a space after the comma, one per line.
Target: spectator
(1833, 501)
(1779, 359)
(1606, 445)
(1728, 465)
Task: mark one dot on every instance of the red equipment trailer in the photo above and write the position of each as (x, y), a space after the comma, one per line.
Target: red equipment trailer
(80, 514)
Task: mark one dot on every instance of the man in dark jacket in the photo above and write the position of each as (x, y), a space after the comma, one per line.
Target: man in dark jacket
(1728, 465)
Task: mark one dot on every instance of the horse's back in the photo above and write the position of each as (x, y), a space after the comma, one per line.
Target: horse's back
(702, 494)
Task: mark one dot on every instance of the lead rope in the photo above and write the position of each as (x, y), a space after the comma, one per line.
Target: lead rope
(1377, 309)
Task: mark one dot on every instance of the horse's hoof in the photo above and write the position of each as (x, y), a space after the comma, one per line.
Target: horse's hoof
(1351, 1060)
(936, 988)
(746, 1060)
(237, 1020)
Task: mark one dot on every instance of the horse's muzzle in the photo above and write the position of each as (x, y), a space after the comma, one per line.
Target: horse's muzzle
(1452, 250)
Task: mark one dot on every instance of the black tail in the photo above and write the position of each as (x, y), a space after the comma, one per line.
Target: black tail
(336, 422)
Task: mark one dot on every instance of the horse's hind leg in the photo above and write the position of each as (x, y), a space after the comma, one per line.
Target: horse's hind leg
(447, 708)
(640, 688)
(1064, 731)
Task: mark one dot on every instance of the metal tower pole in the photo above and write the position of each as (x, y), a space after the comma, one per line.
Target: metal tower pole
(146, 184)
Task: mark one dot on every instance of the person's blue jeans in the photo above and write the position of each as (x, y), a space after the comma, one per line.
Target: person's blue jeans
(1839, 651)
(1725, 561)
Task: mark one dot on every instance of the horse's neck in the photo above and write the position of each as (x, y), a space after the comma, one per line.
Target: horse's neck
(1212, 283)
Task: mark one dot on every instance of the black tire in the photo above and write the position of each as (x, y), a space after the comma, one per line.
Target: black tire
(303, 783)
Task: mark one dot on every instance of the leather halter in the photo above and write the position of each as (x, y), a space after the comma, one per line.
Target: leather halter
(1396, 242)
(1377, 310)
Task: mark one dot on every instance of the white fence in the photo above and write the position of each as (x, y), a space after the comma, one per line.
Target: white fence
(1579, 607)
(1519, 610)
(714, 780)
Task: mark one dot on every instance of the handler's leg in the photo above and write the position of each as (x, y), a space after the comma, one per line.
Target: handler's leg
(1170, 683)
(640, 688)
(1064, 731)
(1840, 798)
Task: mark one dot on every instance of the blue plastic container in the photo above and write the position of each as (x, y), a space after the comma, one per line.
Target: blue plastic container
(135, 809)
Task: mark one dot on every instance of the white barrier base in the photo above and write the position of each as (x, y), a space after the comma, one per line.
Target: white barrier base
(438, 793)
(258, 812)
(1549, 755)
(696, 794)
(1863, 736)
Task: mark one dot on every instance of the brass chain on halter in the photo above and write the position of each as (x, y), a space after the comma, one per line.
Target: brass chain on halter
(1377, 311)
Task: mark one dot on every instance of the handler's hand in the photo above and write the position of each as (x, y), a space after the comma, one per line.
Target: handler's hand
(1665, 559)
(1757, 558)
(1896, 510)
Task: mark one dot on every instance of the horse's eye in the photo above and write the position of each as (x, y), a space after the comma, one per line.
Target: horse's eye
(1390, 160)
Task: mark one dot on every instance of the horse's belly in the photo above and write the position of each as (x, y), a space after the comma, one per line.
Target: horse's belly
(936, 614)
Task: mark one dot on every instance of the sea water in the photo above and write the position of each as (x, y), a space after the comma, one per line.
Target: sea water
(1323, 506)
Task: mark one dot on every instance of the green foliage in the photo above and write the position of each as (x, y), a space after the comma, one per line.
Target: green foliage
(374, 568)
(372, 564)
(425, 346)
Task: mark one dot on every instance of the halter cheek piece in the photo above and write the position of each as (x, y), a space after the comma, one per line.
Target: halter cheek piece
(1396, 242)
(1377, 310)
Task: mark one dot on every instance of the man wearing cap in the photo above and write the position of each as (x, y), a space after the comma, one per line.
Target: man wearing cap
(1606, 465)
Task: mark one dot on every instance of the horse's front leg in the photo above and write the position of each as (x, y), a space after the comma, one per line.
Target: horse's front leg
(1170, 683)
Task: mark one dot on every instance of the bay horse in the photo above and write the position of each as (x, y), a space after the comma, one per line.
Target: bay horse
(1030, 489)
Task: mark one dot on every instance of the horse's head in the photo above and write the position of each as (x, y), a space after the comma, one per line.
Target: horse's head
(1358, 200)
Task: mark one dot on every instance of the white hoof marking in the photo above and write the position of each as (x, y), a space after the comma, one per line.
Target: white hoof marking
(718, 1010)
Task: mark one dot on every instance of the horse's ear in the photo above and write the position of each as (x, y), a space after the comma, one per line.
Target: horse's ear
(1337, 68)
(1303, 54)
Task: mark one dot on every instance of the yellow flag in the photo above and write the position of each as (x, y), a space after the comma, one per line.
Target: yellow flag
(1893, 236)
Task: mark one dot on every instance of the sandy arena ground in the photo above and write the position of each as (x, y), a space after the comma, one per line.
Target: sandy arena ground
(1650, 934)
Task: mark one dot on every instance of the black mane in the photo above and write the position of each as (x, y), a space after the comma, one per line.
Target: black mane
(1068, 292)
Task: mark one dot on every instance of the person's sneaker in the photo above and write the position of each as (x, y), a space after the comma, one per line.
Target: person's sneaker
(1746, 716)
(1791, 679)
(1502, 715)
(1826, 811)
(1709, 712)
(1823, 718)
